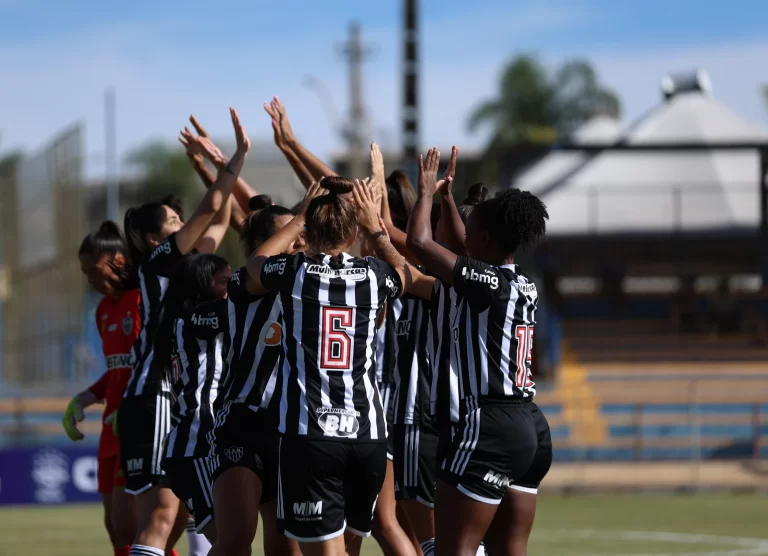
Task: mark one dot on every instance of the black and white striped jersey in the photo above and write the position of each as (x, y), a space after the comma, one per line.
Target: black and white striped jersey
(201, 345)
(444, 392)
(386, 344)
(330, 308)
(413, 366)
(491, 325)
(255, 326)
(154, 276)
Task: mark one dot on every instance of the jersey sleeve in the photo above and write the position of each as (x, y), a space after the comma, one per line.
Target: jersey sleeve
(279, 272)
(165, 258)
(99, 388)
(478, 282)
(389, 277)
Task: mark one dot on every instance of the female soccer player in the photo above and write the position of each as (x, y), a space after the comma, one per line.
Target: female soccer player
(158, 240)
(103, 259)
(333, 451)
(195, 316)
(502, 449)
(244, 442)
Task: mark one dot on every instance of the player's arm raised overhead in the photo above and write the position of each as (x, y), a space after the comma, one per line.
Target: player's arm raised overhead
(243, 192)
(216, 197)
(278, 243)
(439, 260)
(281, 129)
(450, 220)
(292, 149)
(396, 236)
(197, 160)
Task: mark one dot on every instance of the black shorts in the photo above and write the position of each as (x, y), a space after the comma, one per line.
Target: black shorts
(447, 433)
(246, 438)
(415, 463)
(191, 481)
(388, 403)
(326, 487)
(143, 422)
(498, 447)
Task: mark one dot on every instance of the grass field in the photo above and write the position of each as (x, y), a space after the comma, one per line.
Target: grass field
(565, 525)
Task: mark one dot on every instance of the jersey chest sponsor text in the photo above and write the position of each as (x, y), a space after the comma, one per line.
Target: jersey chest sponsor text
(355, 274)
(120, 361)
(211, 320)
(481, 277)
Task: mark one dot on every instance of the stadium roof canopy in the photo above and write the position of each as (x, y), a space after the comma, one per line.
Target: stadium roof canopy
(652, 191)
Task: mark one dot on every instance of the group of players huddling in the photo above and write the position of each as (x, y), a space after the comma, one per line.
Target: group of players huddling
(337, 396)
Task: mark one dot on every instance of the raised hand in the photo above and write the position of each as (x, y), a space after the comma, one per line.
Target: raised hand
(428, 172)
(377, 165)
(198, 126)
(285, 126)
(191, 146)
(377, 191)
(367, 210)
(241, 137)
(444, 185)
(314, 190)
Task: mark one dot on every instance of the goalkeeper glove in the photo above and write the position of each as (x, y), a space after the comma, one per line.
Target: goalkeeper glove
(72, 416)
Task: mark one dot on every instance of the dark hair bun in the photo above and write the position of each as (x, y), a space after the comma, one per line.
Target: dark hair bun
(109, 229)
(476, 194)
(259, 202)
(337, 185)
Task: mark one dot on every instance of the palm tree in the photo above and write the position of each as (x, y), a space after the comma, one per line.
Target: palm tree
(536, 109)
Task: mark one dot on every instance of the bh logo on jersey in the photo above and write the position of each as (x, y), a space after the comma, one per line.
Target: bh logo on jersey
(234, 453)
(337, 421)
(485, 277)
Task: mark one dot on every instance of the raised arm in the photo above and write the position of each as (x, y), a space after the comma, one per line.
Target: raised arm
(316, 167)
(439, 260)
(372, 226)
(217, 195)
(194, 152)
(242, 190)
(396, 236)
(305, 177)
(450, 220)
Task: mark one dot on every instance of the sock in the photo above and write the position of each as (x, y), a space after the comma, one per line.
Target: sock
(481, 550)
(123, 551)
(198, 544)
(141, 550)
(428, 547)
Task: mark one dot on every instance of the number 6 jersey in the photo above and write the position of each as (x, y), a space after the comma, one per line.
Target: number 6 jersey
(330, 308)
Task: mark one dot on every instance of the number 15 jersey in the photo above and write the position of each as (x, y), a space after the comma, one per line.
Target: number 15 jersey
(330, 308)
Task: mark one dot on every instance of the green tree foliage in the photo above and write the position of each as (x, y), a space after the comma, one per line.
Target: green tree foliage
(536, 108)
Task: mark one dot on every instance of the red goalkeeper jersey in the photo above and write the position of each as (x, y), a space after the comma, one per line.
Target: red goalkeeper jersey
(119, 325)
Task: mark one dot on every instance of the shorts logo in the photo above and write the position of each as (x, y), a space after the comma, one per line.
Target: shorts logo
(128, 325)
(234, 453)
(337, 421)
(308, 511)
(271, 334)
(497, 479)
(134, 465)
(485, 277)
(403, 328)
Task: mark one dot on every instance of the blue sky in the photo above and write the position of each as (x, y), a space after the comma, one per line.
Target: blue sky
(167, 59)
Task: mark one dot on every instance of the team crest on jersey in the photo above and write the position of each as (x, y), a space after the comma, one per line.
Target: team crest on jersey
(234, 453)
(339, 422)
(271, 334)
(128, 324)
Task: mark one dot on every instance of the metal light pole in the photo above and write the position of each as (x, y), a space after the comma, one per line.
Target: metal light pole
(110, 156)
(410, 130)
(355, 52)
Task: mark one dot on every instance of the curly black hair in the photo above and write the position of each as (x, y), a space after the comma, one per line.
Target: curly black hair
(516, 219)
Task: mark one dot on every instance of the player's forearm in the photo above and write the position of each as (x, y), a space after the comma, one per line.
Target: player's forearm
(88, 398)
(419, 230)
(316, 167)
(453, 227)
(399, 240)
(281, 241)
(237, 214)
(301, 171)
